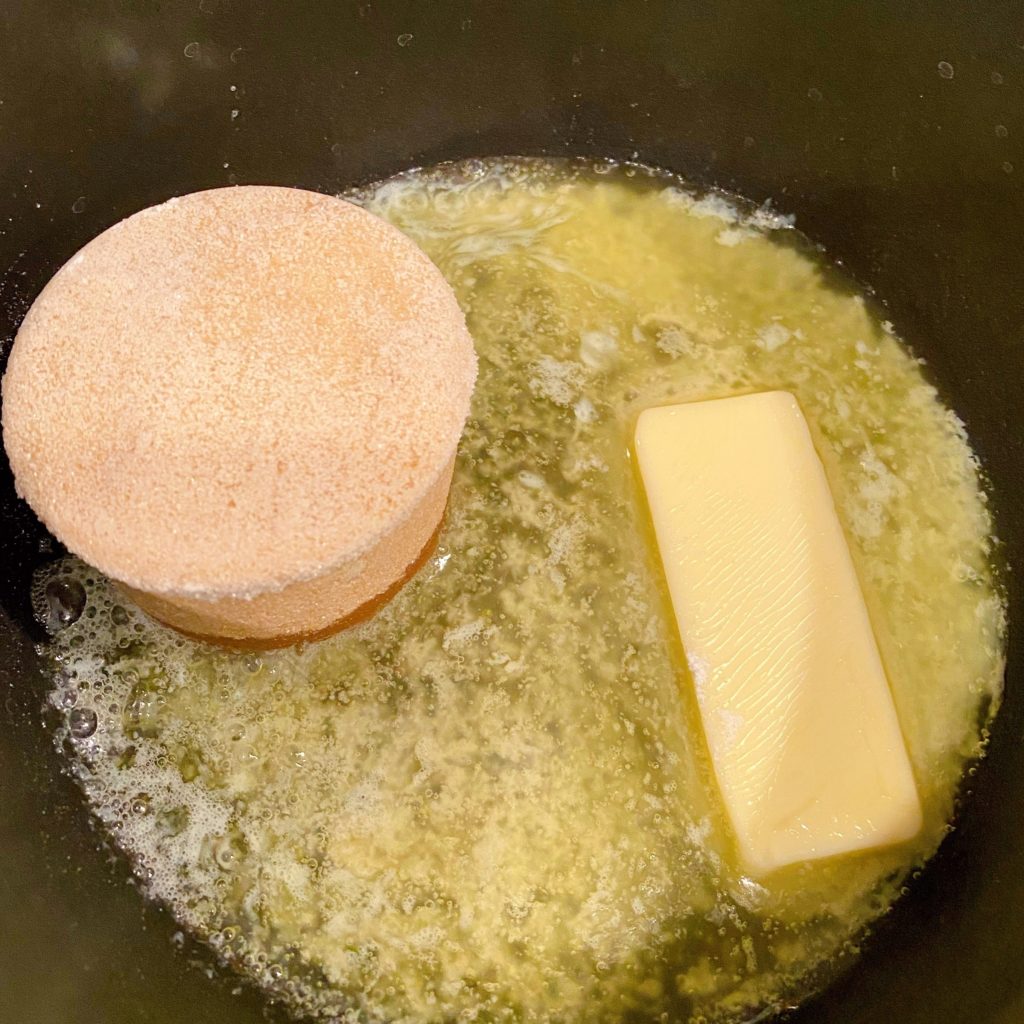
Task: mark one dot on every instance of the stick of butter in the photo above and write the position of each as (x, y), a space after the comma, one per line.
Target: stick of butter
(795, 704)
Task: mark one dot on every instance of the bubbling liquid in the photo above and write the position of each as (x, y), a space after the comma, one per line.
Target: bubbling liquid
(492, 801)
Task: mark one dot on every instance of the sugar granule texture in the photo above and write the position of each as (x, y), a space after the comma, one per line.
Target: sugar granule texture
(236, 390)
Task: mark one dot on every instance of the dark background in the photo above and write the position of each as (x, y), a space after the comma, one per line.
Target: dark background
(894, 132)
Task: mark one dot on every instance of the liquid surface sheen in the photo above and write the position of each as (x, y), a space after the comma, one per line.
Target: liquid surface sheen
(493, 801)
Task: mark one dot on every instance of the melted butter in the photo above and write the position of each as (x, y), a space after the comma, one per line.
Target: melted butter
(493, 801)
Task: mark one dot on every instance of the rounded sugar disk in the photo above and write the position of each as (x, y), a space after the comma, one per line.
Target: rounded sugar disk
(238, 392)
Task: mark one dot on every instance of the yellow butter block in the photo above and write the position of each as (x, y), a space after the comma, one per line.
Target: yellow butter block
(795, 704)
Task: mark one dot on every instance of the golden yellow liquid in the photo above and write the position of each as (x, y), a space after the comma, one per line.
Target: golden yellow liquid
(493, 801)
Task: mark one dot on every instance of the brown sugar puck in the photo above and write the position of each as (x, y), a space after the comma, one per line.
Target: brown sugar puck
(243, 405)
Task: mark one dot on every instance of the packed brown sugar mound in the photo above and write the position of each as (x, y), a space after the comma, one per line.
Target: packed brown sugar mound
(243, 405)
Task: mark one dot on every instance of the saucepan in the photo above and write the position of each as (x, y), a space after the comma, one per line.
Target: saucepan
(893, 132)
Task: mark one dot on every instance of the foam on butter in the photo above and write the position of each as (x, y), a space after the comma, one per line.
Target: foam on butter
(492, 802)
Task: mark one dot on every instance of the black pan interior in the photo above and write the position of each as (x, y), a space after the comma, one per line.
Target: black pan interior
(894, 132)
